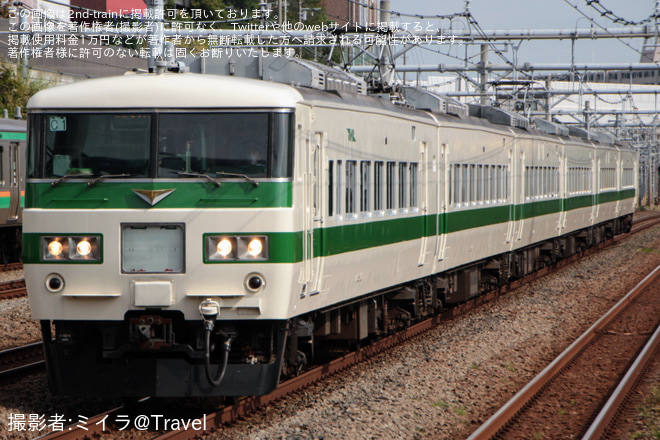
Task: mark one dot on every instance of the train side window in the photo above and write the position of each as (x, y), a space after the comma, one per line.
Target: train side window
(403, 187)
(351, 189)
(331, 188)
(465, 183)
(365, 189)
(473, 183)
(391, 187)
(2, 152)
(378, 187)
(414, 185)
(480, 183)
(456, 172)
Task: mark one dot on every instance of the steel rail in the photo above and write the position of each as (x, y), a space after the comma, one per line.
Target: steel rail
(13, 289)
(18, 355)
(94, 427)
(499, 420)
(618, 397)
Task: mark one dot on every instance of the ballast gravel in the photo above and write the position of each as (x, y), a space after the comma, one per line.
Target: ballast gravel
(441, 385)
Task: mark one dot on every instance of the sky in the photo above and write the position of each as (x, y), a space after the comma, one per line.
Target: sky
(535, 14)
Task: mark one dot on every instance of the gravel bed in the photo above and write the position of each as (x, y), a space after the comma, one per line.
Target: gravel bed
(441, 385)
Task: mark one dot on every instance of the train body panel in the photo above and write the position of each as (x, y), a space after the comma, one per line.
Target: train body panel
(12, 187)
(274, 217)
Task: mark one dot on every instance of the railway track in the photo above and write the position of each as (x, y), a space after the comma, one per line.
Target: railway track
(19, 361)
(614, 420)
(10, 267)
(12, 289)
(566, 397)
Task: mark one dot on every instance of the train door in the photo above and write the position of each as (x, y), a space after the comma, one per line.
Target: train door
(442, 178)
(595, 182)
(313, 240)
(510, 190)
(14, 181)
(563, 191)
(9, 182)
(427, 244)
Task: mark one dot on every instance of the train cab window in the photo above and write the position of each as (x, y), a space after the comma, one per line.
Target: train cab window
(365, 189)
(351, 189)
(378, 187)
(221, 144)
(90, 144)
(255, 144)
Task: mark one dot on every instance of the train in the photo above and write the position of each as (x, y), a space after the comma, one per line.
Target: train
(13, 142)
(210, 231)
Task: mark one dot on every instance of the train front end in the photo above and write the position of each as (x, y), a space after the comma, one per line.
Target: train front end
(159, 235)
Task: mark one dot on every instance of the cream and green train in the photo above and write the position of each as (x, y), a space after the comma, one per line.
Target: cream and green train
(195, 235)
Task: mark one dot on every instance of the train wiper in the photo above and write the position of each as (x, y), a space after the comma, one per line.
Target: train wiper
(69, 176)
(205, 176)
(105, 176)
(249, 179)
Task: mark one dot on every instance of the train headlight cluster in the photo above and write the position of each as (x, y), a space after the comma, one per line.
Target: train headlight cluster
(236, 248)
(71, 248)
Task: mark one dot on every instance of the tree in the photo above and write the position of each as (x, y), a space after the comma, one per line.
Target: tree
(15, 91)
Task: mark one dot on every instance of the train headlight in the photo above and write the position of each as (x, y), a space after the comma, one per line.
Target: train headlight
(224, 247)
(255, 248)
(235, 248)
(84, 248)
(71, 248)
(55, 248)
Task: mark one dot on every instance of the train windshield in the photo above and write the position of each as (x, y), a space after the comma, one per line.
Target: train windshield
(165, 145)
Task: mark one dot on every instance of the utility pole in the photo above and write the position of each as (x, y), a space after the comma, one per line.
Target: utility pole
(484, 74)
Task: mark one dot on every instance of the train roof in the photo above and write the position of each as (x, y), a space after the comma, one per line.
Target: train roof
(13, 125)
(167, 90)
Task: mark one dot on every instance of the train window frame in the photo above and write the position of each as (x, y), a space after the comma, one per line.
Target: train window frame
(413, 178)
(338, 190)
(351, 192)
(403, 187)
(365, 189)
(379, 179)
(390, 199)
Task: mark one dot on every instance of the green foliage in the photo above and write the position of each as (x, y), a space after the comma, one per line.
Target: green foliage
(15, 91)
(211, 6)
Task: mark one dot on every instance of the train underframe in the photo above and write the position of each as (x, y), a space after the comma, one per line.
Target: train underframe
(158, 353)
(11, 239)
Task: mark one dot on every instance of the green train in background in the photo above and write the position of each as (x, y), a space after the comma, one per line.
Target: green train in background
(12, 186)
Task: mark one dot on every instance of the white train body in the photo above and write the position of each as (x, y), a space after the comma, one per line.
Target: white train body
(371, 206)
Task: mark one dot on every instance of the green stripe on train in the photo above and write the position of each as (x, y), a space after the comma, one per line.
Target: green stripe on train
(120, 195)
(287, 247)
(12, 136)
